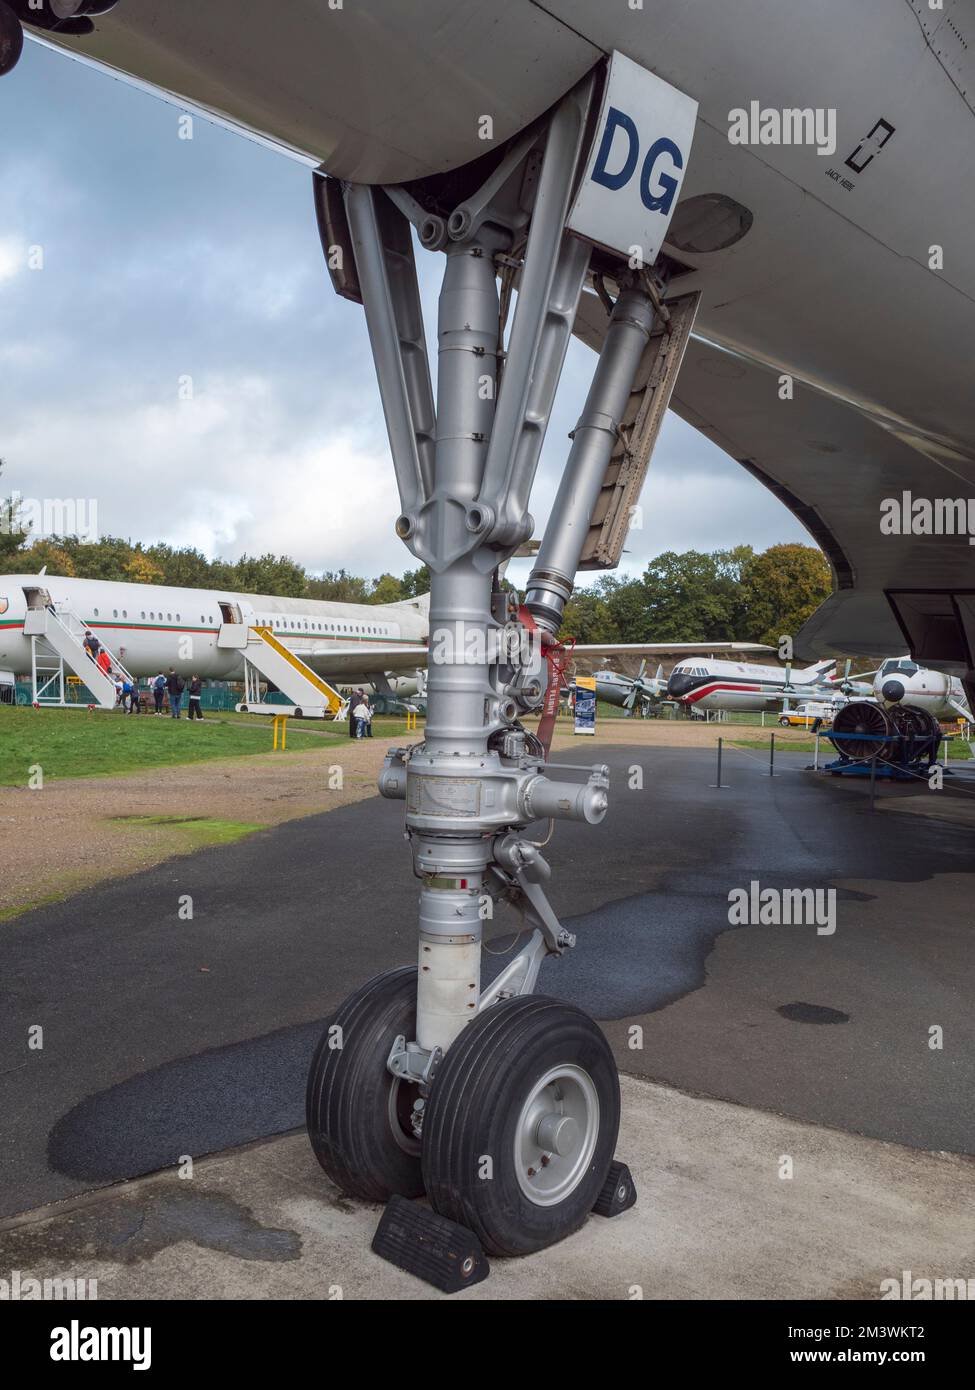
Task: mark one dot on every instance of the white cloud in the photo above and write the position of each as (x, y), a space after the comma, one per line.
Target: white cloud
(13, 257)
(166, 259)
(226, 472)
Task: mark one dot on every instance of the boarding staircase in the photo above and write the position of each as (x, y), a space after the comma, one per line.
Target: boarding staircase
(266, 660)
(57, 647)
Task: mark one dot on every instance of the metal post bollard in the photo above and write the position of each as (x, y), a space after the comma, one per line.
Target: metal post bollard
(719, 785)
(771, 755)
(873, 780)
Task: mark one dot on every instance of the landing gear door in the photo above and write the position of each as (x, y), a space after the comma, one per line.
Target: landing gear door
(617, 507)
(636, 165)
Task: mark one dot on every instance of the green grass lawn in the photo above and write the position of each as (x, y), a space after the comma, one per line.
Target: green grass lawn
(200, 831)
(74, 743)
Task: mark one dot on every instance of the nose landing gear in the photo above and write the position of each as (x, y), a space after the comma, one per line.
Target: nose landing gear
(502, 1106)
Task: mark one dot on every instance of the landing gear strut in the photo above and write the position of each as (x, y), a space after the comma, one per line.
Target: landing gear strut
(502, 1105)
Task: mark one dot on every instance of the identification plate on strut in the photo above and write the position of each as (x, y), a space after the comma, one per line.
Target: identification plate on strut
(444, 796)
(635, 168)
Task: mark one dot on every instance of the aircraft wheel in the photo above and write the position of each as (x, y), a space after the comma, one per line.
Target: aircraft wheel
(11, 40)
(358, 1113)
(520, 1125)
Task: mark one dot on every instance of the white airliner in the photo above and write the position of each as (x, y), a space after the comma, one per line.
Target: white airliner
(150, 627)
(744, 686)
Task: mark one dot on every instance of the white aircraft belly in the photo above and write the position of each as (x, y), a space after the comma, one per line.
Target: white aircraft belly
(379, 98)
(729, 700)
(383, 91)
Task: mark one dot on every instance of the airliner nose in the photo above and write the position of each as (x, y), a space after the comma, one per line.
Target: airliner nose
(892, 691)
(678, 684)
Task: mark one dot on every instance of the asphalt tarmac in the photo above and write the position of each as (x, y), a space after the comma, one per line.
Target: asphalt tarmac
(166, 1037)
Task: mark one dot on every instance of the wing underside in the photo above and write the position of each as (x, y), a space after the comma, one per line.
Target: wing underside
(351, 663)
(832, 464)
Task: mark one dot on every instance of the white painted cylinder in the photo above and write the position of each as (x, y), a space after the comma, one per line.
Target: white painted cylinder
(448, 989)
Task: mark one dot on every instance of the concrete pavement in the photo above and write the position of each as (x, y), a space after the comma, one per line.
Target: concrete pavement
(715, 1218)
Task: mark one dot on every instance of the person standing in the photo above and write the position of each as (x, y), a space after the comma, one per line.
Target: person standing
(196, 694)
(368, 705)
(354, 700)
(175, 685)
(135, 699)
(361, 714)
(159, 692)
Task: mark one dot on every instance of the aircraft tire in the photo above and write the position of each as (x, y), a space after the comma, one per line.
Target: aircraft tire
(530, 1085)
(11, 40)
(357, 1112)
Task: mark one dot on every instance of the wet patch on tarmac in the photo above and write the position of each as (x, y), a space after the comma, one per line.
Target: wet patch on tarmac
(137, 1228)
(196, 1105)
(191, 1014)
(799, 1012)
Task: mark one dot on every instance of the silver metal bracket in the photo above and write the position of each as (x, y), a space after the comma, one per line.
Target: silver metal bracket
(520, 975)
(411, 1062)
(518, 872)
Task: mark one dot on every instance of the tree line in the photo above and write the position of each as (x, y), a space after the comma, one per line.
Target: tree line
(682, 596)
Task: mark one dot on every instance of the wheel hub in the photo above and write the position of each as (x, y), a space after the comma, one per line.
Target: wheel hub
(556, 1134)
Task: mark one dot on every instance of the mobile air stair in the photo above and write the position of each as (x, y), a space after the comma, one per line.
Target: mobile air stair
(57, 654)
(266, 660)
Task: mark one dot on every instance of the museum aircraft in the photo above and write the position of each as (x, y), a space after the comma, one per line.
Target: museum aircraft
(148, 628)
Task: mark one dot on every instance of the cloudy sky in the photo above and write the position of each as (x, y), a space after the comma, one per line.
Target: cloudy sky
(168, 260)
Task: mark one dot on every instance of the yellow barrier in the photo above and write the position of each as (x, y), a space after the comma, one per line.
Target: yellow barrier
(282, 721)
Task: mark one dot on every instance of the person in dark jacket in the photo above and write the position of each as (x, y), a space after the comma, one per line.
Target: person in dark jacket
(196, 693)
(175, 685)
(159, 692)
